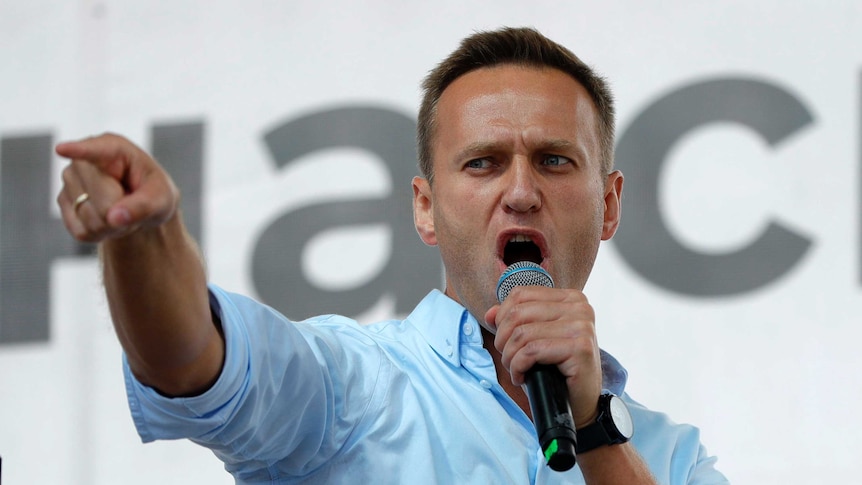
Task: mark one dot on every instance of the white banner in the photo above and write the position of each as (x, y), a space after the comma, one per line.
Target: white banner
(730, 294)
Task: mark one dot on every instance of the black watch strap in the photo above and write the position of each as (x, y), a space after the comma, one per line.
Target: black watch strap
(612, 426)
(591, 437)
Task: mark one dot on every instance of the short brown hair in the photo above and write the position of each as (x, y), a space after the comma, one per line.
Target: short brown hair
(521, 46)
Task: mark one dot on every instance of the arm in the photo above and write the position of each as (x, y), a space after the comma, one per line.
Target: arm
(614, 464)
(153, 274)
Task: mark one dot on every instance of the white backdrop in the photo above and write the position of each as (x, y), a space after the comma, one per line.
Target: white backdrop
(770, 376)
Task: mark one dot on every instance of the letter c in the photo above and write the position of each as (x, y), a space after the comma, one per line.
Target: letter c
(643, 239)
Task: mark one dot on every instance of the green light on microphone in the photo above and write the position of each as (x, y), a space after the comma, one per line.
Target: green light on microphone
(551, 449)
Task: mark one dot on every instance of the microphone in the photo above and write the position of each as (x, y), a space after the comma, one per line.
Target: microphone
(546, 385)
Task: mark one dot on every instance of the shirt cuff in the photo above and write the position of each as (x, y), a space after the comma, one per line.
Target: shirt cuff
(160, 417)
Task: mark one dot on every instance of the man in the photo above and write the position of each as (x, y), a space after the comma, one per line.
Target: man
(516, 150)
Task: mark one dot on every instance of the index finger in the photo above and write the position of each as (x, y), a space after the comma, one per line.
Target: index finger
(103, 150)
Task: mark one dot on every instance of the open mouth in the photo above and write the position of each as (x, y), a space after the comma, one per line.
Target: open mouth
(521, 248)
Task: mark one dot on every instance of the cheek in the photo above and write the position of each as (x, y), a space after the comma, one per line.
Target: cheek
(592, 197)
(583, 204)
(456, 212)
(452, 226)
(460, 229)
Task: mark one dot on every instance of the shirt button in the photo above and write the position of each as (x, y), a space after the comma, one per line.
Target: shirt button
(468, 329)
(485, 383)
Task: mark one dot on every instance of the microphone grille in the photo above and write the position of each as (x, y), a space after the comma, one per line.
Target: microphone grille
(522, 273)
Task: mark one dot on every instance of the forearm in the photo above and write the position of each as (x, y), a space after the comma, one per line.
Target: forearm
(615, 464)
(156, 287)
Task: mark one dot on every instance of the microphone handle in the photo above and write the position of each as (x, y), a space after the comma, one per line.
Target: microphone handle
(552, 415)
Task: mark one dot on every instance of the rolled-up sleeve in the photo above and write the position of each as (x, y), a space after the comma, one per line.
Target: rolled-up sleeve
(288, 392)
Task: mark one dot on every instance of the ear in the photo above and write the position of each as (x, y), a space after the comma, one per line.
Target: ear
(613, 204)
(423, 211)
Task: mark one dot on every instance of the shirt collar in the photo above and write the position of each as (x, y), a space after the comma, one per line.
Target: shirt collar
(439, 319)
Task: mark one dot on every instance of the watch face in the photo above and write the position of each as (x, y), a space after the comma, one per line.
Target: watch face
(622, 418)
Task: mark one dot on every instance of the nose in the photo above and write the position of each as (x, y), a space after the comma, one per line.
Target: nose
(522, 192)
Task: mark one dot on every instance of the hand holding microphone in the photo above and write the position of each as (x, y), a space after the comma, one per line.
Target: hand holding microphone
(556, 332)
(546, 386)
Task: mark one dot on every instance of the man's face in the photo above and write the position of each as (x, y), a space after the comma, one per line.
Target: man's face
(516, 177)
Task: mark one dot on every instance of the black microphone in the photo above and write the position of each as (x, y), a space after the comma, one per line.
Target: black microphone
(546, 385)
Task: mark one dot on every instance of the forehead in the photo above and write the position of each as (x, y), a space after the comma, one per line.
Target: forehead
(522, 104)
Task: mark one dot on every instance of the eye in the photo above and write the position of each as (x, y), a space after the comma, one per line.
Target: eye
(478, 163)
(555, 160)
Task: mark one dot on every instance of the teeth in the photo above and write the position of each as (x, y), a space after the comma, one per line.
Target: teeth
(520, 238)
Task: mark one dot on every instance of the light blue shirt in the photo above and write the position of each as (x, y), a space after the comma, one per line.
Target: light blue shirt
(414, 401)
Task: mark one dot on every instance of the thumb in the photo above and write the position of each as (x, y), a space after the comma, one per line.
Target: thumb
(119, 216)
(491, 317)
(152, 202)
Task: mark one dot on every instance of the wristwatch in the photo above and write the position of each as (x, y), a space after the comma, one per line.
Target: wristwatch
(613, 426)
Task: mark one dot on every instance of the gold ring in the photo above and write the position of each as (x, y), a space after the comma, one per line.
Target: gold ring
(80, 200)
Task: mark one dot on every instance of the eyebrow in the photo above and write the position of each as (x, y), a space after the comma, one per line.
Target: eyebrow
(556, 144)
(478, 147)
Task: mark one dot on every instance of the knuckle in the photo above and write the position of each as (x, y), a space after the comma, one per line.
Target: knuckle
(519, 335)
(506, 360)
(67, 174)
(532, 348)
(511, 316)
(92, 219)
(81, 234)
(516, 313)
(583, 347)
(110, 135)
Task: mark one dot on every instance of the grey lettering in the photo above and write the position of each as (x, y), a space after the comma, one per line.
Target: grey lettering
(643, 239)
(413, 269)
(31, 239)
